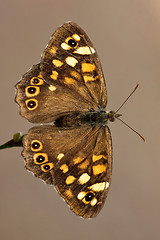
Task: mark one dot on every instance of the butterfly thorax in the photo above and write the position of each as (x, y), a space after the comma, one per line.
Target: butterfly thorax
(79, 118)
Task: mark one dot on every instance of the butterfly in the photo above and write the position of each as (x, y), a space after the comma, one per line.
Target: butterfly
(67, 92)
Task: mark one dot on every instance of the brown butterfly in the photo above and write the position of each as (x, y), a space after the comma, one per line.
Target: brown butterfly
(67, 89)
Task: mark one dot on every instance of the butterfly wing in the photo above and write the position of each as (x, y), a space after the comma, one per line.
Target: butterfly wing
(70, 79)
(71, 60)
(41, 102)
(79, 164)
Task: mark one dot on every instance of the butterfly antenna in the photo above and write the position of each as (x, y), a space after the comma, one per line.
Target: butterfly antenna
(116, 115)
(131, 129)
(127, 98)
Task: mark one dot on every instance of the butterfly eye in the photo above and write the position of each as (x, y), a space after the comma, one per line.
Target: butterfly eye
(89, 196)
(72, 42)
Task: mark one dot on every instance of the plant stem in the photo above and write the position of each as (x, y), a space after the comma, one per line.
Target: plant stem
(15, 142)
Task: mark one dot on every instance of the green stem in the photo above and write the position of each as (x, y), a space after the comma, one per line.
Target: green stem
(15, 142)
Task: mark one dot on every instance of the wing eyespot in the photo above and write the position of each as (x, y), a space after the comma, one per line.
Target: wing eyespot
(36, 81)
(31, 104)
(72, 42)
(69, 43)
(89, 197)
(47, 167)
(32, 91)
(40, 158)
(36, 145)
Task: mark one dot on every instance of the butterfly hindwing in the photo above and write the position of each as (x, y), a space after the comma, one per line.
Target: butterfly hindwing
(79, 164)
(48, 144)
(83, 179)
(71, 60)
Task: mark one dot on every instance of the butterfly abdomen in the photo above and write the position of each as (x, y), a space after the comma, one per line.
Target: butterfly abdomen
(78, 119)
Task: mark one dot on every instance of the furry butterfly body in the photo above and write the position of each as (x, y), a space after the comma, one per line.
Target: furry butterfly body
(74, 150)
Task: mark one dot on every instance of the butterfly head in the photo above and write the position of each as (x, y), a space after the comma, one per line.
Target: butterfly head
(113, 115)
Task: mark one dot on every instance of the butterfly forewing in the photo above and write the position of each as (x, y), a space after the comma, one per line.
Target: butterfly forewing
(41, 102)
(71, 60)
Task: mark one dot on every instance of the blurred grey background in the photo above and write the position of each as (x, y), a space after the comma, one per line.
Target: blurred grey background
(126, 34)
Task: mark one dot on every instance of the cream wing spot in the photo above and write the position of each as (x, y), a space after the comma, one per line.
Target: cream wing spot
(64, 168)
(93, 202)
(83, 50)
(60, 156)
(52, 88)
(70, 179)
(107, 185)
(97, 187)
(53, 50)
(84, 165)
(84, 178)
(57, 63)
(40, 75)
(81, 195)
(77, 160)
(65, 46)
(75, 75)
(71, 61)
(98, 157)
(92, 50)
(76, 37)
(69, 80)
(97, 169)
(54, 75)
(68, 193)
(88, 78)
(88, 67)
